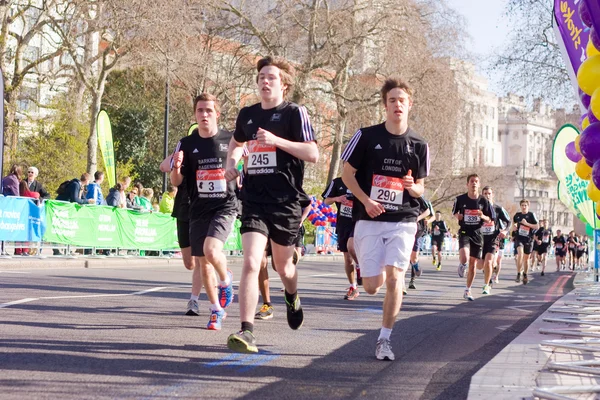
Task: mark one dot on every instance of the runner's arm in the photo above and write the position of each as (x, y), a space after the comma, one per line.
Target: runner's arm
(234, 154)
(165, 165)
(372, 208)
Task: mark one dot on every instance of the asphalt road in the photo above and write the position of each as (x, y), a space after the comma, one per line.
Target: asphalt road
(121, 333)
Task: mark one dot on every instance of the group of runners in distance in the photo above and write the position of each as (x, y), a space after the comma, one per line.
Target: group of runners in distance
(382, 214)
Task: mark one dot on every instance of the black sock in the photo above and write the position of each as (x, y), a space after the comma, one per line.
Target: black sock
(290, 298)
(268, 303)
(247, 326)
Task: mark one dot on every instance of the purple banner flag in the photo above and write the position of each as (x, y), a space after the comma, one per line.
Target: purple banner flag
(593, 7)
(1, 123)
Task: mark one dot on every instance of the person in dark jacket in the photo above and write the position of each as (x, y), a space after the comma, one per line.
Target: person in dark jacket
(34, 185)
(73, 192)
(10, 183)
(114, 196)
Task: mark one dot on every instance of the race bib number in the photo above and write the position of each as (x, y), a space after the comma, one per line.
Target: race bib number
(211, 181)
(262, 159)
(387, 190)
(524, 230)
(346, 208)
(546, 239)
(436, 231)
(488, 228)
(571, 246)
(581, 248)
(559, 246)
(471, 217)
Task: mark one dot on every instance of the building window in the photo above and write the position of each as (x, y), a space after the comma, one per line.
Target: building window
(493, 112)
(551, 218)
(566, 219)
(487, 132)
(516, 135)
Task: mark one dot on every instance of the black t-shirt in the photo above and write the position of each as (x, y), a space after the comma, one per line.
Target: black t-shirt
(525, 232)
(381, 160)
(438, 228)
(471, 222)
(424, 205)
(572, 241)
(181, 204)
(273, 175)
(582, 247)
(203, 168)
(559, 242)
(544, 235)
(338, 188)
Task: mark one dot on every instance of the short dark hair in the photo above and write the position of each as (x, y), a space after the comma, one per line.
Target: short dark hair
(118, 187)
(16, 170)
(471, 176)
(393, 83)
(438, 212)
(286, 71)
(524, 201)
(486, 188)
(98, 175)
(207, 97)
(85, 177)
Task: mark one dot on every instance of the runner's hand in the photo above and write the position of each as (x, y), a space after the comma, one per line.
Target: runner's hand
(459, 216)
(266, 137)
(339, 199)
(177, 159)
(231, 174)
(373, 208)
(408, 180)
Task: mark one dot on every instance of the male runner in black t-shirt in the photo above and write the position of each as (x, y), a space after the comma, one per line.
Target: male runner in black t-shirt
(385, 169)
(471, 210)
(493, 233)
(279, 139)
(181, 212)
(425, 211)
(572, 243)
(200, 159)
(439, 229)
(338, 193)
(525, 224)
(542, 237)
(560, 249)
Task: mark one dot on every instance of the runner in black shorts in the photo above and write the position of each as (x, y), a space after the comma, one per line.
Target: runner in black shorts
(279, 139)
(572, 243)
(493, 233)
(200, 159)
(425, 210)
(525, 224)
(439, 230)
(542, 238)
(338, 193)
(181, 212)
(581, 250)
(560, 249)
(472, 210)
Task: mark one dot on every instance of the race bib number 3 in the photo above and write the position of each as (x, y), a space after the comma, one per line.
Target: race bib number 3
(387, 190)
(262, 159)
(524, 230)
(211, 181)
(471, 217)
(488, 228)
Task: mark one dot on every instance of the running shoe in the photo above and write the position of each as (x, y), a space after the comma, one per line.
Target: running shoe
(192, 308)
(411, 284)
(518, 279)
(439, 267)
(418, 271)
(242, 342)
(358, 277)
(216, 318)
(525, 279)
(351, 294)
(265, 312)
(486, 289)
(467, 295)
(295, 315)
(434, 262)
(226, 293)
(495, 278)
(461, 270)
(384, 350)
(542, 273)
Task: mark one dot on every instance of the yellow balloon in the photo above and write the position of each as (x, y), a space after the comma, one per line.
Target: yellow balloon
(588, 75)
(595, 103)
(583, 170)
(578, 138)
(591, 50)
(598, 209)
(593, 192)
(584, 124)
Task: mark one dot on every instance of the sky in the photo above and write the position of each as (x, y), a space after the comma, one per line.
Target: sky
(488, 26)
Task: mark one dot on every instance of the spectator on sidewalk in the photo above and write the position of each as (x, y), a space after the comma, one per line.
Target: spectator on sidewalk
(131, 199)
(125, 182)
(114, 195)
(74, 191)
(145, 201)
(10, 183)
(94, 190)
(168, 200)
(34, 185)
(25, 192)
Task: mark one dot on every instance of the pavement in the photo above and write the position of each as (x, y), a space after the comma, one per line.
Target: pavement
(527, 367)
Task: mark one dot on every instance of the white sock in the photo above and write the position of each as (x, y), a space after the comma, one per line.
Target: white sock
(215, 307)
(353, 286)
(224, 283)
(385, 333)
(468, 288)
(192, 297)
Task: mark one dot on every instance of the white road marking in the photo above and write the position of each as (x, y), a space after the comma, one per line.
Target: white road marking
(12, 303)
(503, 327)
(14, 272)
(318, 276)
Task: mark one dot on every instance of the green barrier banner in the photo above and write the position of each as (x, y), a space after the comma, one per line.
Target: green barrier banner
(101, 226)
(234, 241)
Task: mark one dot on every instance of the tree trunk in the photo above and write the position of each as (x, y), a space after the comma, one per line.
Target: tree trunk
(92, 156)
(336, 150)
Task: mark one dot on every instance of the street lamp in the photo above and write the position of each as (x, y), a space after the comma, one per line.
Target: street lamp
(523, 177)
(166, 128)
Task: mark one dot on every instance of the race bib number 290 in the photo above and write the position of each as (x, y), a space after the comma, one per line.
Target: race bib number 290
(262, 159)
(387, 190)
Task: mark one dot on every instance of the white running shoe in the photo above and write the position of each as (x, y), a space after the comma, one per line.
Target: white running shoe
(384, 350)
(461, 270)
(192, 308)
(467, 295)
(486, 289)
